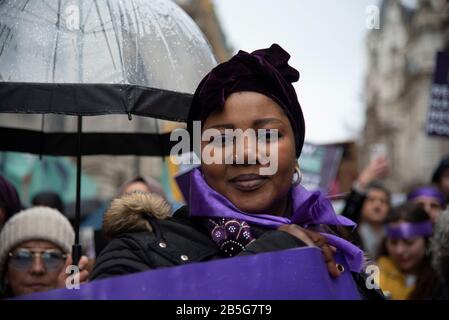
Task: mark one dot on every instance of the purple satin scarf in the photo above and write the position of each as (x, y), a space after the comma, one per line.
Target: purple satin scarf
(309, 208)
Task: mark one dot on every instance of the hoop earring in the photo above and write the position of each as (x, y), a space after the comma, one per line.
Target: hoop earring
(297, 177)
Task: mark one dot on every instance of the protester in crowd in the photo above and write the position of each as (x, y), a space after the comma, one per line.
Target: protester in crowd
(368, 205)
(440, 177)
(145, 184)
(233, 210)
(404, 258)
(439, 246)
(9, 201)
(432, 199)
(48, 199)
(95, 220)
(35, 247)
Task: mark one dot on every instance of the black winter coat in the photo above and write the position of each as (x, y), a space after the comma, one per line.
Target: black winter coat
(176, 241)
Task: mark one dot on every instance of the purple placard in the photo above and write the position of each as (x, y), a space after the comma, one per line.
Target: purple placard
(282, 275)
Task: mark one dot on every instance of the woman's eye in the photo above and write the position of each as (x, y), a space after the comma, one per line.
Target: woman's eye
(221, 140)
(52, 255)
(411, 241)
(393, 242)
(268, 135)
(23, 255)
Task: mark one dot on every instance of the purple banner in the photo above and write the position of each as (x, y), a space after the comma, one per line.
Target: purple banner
(282, 275)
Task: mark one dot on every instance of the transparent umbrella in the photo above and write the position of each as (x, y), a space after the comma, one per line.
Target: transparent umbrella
(77, 72)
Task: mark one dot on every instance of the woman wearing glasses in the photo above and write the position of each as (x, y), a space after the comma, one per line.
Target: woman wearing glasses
(35, 248)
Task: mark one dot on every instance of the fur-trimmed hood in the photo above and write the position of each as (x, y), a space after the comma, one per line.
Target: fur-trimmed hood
(126, 213)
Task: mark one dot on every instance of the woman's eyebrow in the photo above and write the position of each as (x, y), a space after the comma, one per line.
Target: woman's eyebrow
(222, 126)
(264, 121)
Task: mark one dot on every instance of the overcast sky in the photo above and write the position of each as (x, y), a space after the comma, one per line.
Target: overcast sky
(326, 42)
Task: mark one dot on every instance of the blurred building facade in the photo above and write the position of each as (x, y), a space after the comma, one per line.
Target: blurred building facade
(400, 63)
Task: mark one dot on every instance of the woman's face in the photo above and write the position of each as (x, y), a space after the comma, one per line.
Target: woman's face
(444, 183)
(375, 207)
(406, 253)
(36, 276)
(136, 186)
(431, 205)
(243, 184)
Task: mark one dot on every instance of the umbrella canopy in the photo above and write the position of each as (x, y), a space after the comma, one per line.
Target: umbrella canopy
(63, 60)
(92, 58)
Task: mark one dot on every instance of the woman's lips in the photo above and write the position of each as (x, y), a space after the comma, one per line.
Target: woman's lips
(36, 286)
(248, 182)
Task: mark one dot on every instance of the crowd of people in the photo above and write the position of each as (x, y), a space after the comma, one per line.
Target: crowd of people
(402, 239)
(232, 210)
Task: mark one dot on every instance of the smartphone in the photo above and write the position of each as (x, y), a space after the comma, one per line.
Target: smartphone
(378, 150)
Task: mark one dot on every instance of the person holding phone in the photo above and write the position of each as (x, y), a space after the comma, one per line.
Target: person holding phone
(368, 204)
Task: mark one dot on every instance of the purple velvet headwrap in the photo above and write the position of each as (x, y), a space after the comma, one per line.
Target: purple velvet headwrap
(408, 230)
(308, 209)
(9, 198)
(427, 192)
(265, 71)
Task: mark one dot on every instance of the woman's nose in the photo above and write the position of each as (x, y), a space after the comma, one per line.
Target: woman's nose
(248, 148)
(37, 267)
(400, 248)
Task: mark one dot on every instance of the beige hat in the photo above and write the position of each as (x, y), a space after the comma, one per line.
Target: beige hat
(38, 223)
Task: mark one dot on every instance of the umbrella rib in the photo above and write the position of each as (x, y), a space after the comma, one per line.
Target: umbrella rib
(80, 44)
(6, 41)
(159, 29)
(104, 33)
(114, 27)
(138, 33)
(30, 13)
(56, 42)
(24, 6)
(82, 27)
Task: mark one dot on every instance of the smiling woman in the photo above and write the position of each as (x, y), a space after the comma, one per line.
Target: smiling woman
(234, 208)
(404, 260)
(243, 185)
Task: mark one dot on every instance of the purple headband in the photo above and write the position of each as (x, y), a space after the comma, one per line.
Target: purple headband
(427, 192)
(265, 71)
(408, 230)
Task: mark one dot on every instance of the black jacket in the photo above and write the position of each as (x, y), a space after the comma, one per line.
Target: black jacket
(182, 239)
(352, 210)
(176, 241)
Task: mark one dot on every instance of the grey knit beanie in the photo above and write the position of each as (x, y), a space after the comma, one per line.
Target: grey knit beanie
(38, 223)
